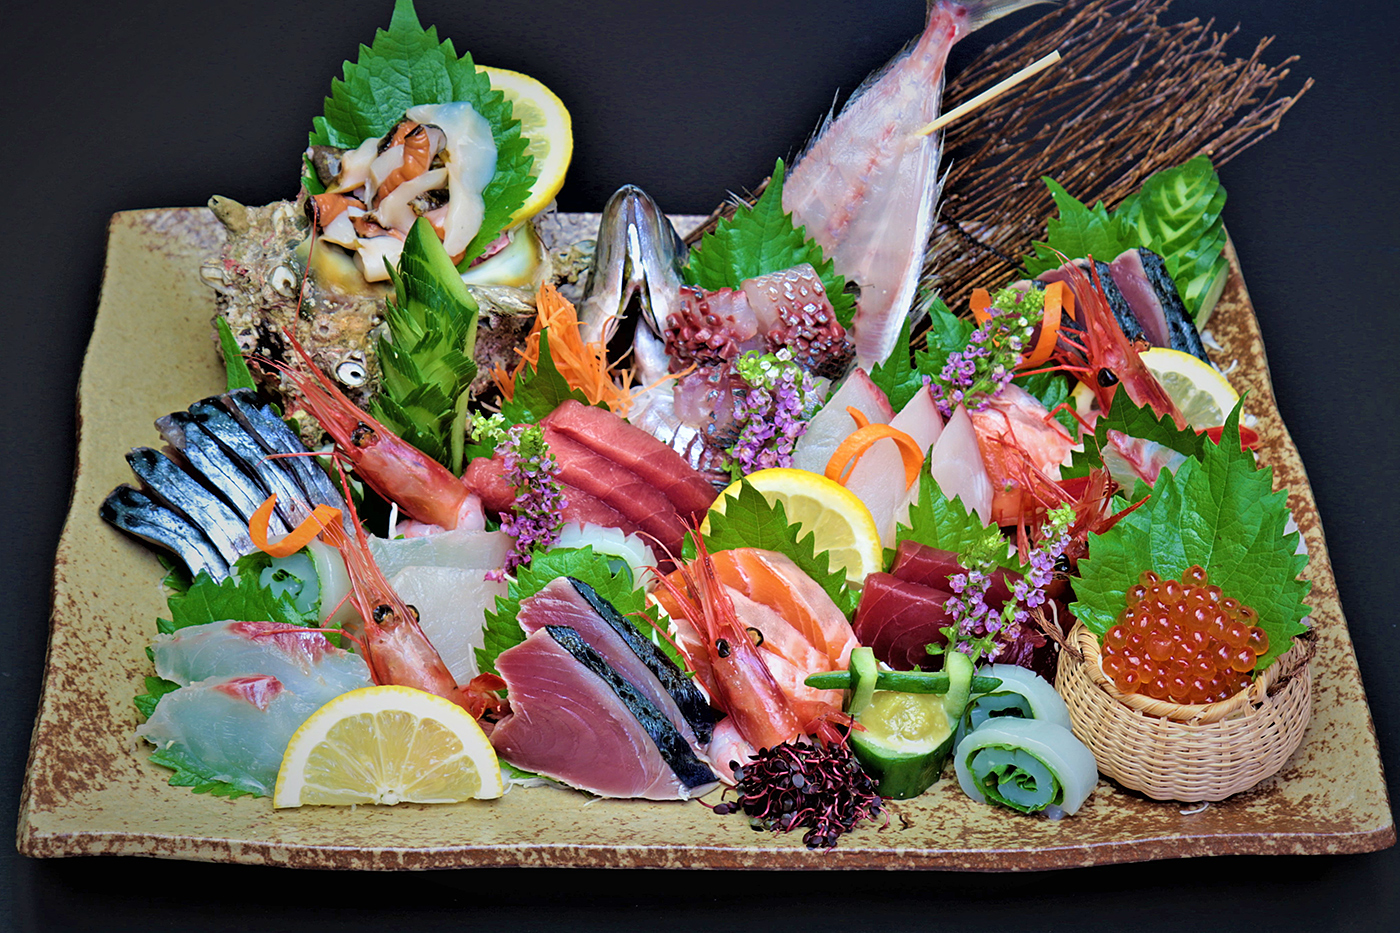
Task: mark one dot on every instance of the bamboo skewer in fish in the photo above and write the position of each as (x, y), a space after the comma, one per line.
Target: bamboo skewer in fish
(996, 90)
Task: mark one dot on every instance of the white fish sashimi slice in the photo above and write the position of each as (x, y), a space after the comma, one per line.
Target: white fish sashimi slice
(303, 661)
(832, 425)
(451, 604)
(465, 550)
(230, 729)
(878, 479)
(956, 465)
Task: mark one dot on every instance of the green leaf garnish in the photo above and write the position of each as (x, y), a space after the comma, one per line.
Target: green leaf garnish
(760, 240)
(189, 773)
(427, 357)
(235, 366)
(1176, 214)
(539, 389)
(946, 334)
(502, 631)
(1141, 422)
(946, 524)
(750, 520)
(406, 66)
(896, 375)
(1219, 511)
(1078, 232)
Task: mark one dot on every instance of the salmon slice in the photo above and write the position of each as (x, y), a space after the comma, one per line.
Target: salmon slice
(773, 579)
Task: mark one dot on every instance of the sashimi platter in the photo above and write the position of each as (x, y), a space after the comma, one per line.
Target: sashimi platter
(923, 506)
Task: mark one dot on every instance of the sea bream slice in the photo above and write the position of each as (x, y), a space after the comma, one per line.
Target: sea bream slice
(571, 602)
(576, 720)
(867, 188)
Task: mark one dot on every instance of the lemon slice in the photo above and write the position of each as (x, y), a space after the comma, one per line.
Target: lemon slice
(387, 745)
(843, 526)
(1198, 388)
(548, 129)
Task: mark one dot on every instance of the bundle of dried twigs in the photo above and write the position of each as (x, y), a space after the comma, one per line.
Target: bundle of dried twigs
(1131, 97)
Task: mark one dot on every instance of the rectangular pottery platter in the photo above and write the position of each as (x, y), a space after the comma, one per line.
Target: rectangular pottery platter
(90, 789)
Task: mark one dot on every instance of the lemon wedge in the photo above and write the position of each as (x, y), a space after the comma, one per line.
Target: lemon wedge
(548, 129)
(1198, 388)
(387, 745)
(843, 526)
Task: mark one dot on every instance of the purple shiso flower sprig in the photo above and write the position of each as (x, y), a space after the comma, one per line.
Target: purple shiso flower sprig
(975, 374)
(772, 412)
(531, 470)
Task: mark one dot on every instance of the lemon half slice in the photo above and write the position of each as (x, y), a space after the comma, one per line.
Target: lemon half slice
(387, 745)
(548, 128)
(843, 526)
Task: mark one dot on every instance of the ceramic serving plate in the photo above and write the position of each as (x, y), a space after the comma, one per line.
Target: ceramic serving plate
(91, 791)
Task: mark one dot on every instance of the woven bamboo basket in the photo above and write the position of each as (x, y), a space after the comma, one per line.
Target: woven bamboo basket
(1171, 751)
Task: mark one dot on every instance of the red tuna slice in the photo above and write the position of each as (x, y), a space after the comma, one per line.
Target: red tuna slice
(894, 614)
(776, 581)
(603, 478)
(486, 477)
(567, 602)
(658, 465)
(568, 722)
(930, 566)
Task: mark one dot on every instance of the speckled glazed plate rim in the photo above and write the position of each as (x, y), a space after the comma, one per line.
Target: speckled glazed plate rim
(90, 790)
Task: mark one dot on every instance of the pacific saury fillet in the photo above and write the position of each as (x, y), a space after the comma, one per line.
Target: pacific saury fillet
(867, 187)
(566, 601)
(576, 720)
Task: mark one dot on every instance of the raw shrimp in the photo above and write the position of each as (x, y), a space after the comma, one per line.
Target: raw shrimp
(425, 489)
(1022, 447)
(731, 668)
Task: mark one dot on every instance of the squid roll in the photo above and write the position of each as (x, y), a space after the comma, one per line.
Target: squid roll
(1029, 765)
(1023, 694)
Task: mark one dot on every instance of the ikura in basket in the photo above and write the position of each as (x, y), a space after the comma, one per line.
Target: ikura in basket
(1187, 672)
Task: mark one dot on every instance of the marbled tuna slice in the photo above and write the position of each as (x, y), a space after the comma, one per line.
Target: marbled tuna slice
(302, 661)
(571, 602)
(575, 720)
(230, 729)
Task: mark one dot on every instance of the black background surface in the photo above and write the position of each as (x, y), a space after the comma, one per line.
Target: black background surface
(110, 107)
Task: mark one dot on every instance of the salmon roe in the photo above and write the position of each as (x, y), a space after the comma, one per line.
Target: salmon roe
(1183, 641)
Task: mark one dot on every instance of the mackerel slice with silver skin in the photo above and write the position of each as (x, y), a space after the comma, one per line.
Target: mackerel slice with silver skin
(292, 504)
(138, 514)
(207, 457)
(174, 488)
(272, 433)
(867, 188)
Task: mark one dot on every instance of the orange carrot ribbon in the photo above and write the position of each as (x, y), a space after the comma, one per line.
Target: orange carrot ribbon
(844, 459)
(301, 535)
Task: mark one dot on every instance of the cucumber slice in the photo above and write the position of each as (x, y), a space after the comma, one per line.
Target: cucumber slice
(864, 673)
(905, 743)
(903, 681)
(958, 666)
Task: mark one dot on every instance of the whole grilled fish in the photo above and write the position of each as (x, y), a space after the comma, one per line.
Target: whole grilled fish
(867, 188)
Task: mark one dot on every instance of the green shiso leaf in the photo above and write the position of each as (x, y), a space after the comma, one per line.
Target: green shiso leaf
(503, 631)
(750, 520)
(1127, 417)
(427, 357)
(760, 240)
(1220, 512)
(940, 522)
(896, 375)
(1079, 231)
(539, 389)
(190, 773)
(946, 334)
(1176, 214)
(235, 366)
(406, 66)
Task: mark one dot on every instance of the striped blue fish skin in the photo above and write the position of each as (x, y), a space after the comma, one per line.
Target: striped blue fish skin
(272, 433)
(206, 457)
(138, 514)
(292, 503)
(174, 488)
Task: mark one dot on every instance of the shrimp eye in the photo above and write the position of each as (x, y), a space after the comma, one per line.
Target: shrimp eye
(722, 648)
(1107, 377)
(418, 617)
(363, 435)
(381, 612)
(1062, 564)
(755, 636)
